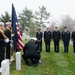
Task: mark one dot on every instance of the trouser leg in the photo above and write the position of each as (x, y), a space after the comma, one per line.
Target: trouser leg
(25, 57)
(67, 45)
(74, 46)
(48, 47)
(2, 51)
(54, 46)
(7, 51)
(36, 58)
(57, 49)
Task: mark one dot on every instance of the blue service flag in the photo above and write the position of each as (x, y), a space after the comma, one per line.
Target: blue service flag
(14, 29)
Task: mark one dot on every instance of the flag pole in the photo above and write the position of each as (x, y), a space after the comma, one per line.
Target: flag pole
(11, 47)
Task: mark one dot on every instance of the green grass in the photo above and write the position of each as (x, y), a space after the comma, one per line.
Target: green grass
(53, 63)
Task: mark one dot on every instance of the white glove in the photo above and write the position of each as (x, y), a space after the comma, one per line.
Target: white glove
(6, 40)
(12, 35)
(11, 45)
(11, 41)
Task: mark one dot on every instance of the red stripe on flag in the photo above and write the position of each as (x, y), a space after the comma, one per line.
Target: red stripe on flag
(20, 44)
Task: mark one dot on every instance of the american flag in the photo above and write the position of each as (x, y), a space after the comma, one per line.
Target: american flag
(20, 44)
(17, 40)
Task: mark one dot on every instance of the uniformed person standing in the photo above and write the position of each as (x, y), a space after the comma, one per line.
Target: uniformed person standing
(47, 39)
(66, 39)
(73, 39)
(8, 34)
(56, 39)
(3, 40)
(39, 39)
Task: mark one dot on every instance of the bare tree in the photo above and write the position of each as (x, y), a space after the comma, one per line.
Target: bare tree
(53, 24)
(68, 22)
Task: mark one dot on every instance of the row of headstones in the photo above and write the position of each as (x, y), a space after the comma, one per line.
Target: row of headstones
(5, 66)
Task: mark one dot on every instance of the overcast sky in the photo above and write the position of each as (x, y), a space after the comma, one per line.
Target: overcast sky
(55, 7)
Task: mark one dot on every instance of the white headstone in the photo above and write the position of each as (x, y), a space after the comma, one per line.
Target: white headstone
(18, 61)
(5, 70)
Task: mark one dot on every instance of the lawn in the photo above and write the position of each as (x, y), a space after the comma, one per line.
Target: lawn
(53, 63)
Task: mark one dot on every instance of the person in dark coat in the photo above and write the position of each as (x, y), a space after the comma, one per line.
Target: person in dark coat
(47, 39)
(56, 39)
(3, 39)
(66, 39)
(30, 53)
(73, 39)
(8, 34)
(39, 39)
(38, 52)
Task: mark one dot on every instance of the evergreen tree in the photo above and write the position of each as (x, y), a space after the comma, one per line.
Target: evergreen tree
(25, 17)
(5, 18)
(42, 16)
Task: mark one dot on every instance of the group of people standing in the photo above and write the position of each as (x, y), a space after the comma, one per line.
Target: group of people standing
(56, 36)
(32, 50)
(5, 41)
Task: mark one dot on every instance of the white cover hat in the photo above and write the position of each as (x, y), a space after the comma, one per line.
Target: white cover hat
(1, 23)
(33, 39)
(8, 23)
